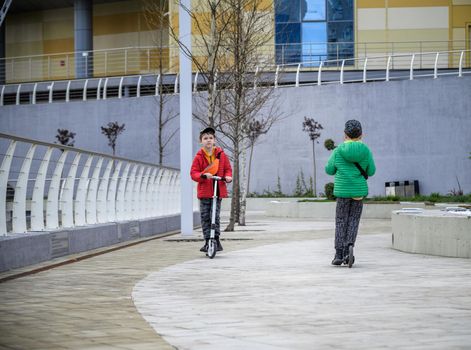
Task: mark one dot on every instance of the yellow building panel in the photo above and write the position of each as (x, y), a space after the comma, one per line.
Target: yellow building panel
(418, 18)
(371, 36)
(461, 16)
(112, 41)
(58, 30)
(62, 14)
(115, 24)
(24, 32)
(25, 17)
(371, 19)
(152, 38)
(432, 39)
(58, 45)
(370, 4)
(459, 39)
(152, 21)
(117, 7)
(261, 5)
(418, 3)
(16, 49)
(461, 2)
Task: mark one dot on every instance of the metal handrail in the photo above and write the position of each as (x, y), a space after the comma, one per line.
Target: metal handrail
(125, 60)
(275, 70)
(75, 149)
(100, 189)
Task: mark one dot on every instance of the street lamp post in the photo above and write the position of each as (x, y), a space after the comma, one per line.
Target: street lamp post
(186, 135)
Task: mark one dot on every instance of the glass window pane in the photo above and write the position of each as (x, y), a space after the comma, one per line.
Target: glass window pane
(340, 10)
(340, 32)
(340, 36)
(288, 33)
(288, 43)
(314, 37)
(287, 11)
(313, 10)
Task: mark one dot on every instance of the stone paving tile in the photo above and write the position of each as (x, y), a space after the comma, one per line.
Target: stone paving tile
(288, 296)
(53, 309)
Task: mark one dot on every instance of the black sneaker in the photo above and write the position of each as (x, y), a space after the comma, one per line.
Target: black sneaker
(338, 258)
(219, 245)
(204, 248)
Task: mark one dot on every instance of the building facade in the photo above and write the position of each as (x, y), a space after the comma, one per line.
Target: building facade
(42, 42)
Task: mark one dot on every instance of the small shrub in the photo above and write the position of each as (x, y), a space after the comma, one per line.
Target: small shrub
(329, 190)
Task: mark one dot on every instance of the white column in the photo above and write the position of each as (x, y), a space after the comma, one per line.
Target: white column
(52, 205)
(186, 136)
(19, 201)
(37, 203)
(67, 195)
(81, 196)
(4, 172)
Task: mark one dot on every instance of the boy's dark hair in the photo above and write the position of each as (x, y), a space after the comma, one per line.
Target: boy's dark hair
(353, 128)
(207, 130)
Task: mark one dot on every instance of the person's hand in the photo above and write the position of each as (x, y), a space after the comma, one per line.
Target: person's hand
(228, 179)
(208, 175)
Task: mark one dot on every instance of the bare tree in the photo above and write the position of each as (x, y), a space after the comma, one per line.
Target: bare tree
(253, 129)
(208, 55)
(313, 128)
(156, 13)
(229, 53)
(112, 131)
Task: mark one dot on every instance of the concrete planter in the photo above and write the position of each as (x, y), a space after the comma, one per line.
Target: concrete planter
(326, 210)
(432, 232)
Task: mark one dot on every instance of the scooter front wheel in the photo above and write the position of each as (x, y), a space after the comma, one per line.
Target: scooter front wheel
(212, 248)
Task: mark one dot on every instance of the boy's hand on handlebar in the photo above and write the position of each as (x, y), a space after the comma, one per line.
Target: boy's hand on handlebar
(228, 179)
(208, 175)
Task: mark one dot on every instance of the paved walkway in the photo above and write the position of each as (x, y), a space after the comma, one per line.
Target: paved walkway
(271, 288)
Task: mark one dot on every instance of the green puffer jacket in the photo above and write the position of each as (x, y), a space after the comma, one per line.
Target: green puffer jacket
(349, 182)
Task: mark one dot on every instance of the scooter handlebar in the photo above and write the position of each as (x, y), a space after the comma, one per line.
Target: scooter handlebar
(218, 178)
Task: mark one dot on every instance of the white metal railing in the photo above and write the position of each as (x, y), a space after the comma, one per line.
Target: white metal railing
(46, 186)
(372, 68)
(146, 59)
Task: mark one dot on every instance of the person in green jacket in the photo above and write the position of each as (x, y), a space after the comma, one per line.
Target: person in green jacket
(351, 162)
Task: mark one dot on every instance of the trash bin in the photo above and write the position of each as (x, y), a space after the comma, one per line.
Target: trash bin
(402, 188)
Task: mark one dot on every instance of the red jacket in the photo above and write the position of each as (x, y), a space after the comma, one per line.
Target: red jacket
(205, 186)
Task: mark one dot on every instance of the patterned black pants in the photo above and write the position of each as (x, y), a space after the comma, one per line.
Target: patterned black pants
(347, 219)
(205, 211)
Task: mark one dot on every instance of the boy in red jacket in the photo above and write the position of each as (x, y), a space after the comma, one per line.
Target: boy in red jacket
(202, 174)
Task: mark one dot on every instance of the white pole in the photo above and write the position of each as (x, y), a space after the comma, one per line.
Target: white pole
(186, 136)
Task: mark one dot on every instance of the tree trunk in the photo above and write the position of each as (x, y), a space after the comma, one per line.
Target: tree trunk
(211, 68)
(235, 194)
(250, 168)
(243, 188)
(314, 162)
(161, 100)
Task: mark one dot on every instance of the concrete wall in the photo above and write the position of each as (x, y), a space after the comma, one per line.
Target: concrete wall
(19, 250)
(417, 130)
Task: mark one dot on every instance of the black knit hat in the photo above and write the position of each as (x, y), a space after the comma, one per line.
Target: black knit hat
(207, 130)
(353, 128)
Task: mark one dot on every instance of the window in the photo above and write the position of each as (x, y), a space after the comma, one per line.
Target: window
(313, 30)
(313, 10)
(314, 44)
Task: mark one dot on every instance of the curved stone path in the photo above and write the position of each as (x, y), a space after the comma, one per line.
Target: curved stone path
(287, 296)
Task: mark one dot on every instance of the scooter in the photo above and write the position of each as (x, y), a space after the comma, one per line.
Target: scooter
(213, 244)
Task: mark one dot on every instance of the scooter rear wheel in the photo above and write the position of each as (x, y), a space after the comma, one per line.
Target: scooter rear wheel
(351, 258)
(212, 248)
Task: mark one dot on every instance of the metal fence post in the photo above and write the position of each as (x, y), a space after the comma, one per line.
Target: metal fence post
(126, 61)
